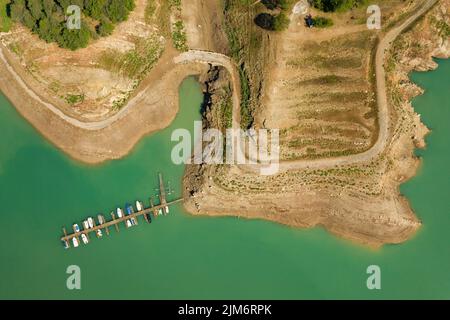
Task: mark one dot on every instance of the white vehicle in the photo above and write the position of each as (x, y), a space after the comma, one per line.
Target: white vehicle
(75, 242)
(76, 228)
(84, 238)
(85, 225)
(166, 209)
(90, 222)
(139, 206)
(119, 213)
(99, 233)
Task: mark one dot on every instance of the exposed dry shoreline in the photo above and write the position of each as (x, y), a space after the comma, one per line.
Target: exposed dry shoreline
(372, 215)
(361, 202)
(152, 111)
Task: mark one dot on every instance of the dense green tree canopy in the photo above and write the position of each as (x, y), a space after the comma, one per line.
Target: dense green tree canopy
(47, 18)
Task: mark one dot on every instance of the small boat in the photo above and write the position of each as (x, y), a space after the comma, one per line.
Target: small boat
(76, 228)
(160, 212)
(85, 225)
(149, 217)
(99, 233)
(139, 206)
(101, 219)
(133, 221)
(119, 212)
(129, 209)
(128, 223)
(75, 242)
(91, 222)
(166, 209)
(65, 244)
(84, 238)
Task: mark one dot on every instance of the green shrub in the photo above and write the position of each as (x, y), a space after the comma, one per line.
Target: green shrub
(270, 22)
(265, 21)
(336, 5)
(281, 22)
(322, 22)
(105, 28)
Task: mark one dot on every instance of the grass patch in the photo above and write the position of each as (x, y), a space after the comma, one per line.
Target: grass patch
(74, 99)
(134, 63)
(179, 37)
(324, 62)
(150, 11)
(329, 79)
(322, 22)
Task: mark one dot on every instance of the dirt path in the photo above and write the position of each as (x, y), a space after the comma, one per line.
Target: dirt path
(218, 59)
(192, 56)
(383, 110)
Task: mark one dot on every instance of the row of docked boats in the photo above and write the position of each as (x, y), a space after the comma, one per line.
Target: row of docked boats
(90, 224)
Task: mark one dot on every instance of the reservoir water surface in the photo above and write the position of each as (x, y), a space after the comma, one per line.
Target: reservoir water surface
(184, 257)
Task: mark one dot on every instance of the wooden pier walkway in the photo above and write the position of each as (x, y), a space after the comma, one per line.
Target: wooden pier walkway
(146, 212)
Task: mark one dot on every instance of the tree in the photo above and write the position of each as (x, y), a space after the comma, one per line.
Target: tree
(49, 7)
(336, 5)
(35, 8)
(74, 39)
(274, 4)
(265, 21)
(47, 18)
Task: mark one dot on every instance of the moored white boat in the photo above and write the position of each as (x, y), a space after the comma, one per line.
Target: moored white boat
(90, 222)
(139, 206)
(119, 212)
(84, 238)
(76, 228)
(85, 225)
(99, 233)
(166, 209)
(75, 242)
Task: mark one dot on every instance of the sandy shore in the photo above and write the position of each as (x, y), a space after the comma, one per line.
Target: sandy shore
(151, 111)
(360, 202)
(373, 217)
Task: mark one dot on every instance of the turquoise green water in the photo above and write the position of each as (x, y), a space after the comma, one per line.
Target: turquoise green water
(183, 257)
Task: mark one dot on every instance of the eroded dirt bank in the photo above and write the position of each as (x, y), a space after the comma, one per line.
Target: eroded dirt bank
(153, 111)
(360, 202)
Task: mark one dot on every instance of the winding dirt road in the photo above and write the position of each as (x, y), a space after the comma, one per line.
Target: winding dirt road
(382, 100)
(199, 56)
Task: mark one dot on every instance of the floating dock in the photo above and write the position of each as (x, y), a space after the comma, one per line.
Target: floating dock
(67, 239)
